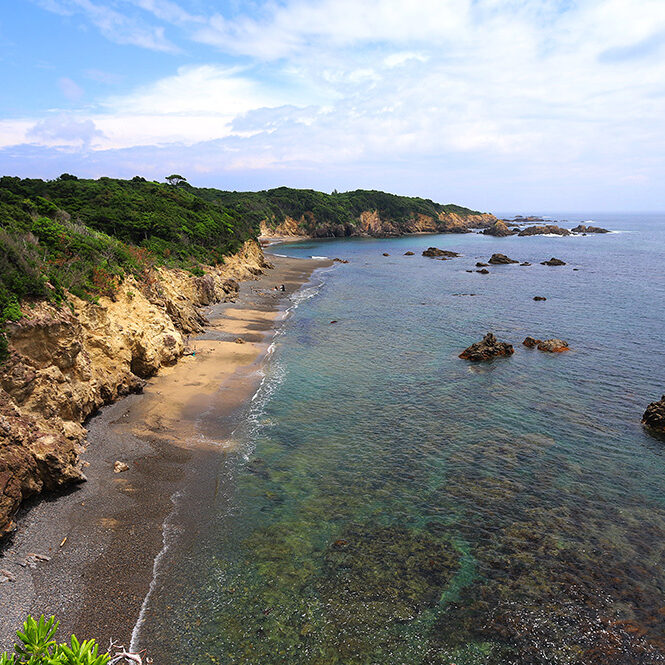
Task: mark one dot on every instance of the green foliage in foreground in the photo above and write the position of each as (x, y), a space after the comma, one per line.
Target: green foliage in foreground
(37, 646)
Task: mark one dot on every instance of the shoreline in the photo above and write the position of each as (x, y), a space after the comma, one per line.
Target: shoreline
(103, 537)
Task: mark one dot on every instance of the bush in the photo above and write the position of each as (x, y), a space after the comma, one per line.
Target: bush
(37, 646)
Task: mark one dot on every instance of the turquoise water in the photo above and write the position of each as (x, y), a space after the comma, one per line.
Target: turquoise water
(392, 504)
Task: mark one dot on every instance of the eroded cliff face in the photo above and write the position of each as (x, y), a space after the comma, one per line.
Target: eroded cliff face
(370, 223)
(66, 362)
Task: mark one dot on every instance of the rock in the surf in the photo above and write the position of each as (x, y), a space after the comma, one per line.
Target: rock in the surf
(498, 229)
(553, 346)
(489, 347)
(436, 252)
(531, 342)
(654, 416)
(553, 262)
(582, 228)
(501, 259)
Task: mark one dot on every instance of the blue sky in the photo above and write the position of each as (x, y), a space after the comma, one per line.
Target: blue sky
(496, 104)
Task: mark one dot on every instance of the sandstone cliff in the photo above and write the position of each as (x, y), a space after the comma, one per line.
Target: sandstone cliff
(68, 361)
(370, 223)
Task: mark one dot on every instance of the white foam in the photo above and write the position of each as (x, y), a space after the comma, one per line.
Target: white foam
(319, 257)
(169, 534)
(273, 375)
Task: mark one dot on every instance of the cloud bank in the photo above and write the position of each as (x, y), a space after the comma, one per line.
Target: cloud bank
(496, 102)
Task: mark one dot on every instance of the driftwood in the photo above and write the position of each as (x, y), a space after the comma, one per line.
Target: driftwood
(124, 656)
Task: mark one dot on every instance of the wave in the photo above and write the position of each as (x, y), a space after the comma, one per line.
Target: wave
(170, 533)
(319, 257)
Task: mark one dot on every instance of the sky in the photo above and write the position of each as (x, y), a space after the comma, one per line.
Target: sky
(525, 105)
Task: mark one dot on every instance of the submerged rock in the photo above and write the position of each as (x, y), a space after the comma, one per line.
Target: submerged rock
(500, 259)
(489, 347)
(481, 265)
(539, 298)
(483, 271)
(386, 254)
(553, 262)
(553, 346)
(654, 416)
(336, 260)
(525, 263)
(436, 252)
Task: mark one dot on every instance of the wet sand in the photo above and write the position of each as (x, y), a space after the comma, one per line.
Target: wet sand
(172, 436)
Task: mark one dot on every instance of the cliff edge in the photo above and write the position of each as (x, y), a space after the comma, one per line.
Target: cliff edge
(66, 362)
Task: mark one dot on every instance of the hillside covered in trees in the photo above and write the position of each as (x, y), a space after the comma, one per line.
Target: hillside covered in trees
(82, 236)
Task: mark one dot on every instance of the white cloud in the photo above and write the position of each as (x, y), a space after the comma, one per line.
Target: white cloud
(532, 85)
(70, 89)
(116, 26)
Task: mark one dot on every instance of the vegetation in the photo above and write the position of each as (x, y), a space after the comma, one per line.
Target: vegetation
(341, 209)
(37, 646)
(78, 236)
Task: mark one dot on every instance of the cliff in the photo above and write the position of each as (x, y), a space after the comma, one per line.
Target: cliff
(374, 224)
(66, 362)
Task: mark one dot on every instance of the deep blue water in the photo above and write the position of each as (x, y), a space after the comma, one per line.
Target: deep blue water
(390, 503)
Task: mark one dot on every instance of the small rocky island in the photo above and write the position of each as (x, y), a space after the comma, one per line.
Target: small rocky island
(435, 252)
(654, 416)
(489, 347)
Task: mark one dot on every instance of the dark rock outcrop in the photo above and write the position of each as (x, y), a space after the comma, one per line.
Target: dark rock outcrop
(531, 342)
(435, 252)
(553, 262)
(336, 260)
(539, 298)
(525, 263)
(481, 265)
(386, 254)
(542, 230)
(489, 347)
(499, 229)
(408, 253)
(483, 271)
(553, 346)
(582, 228)
(501, 259)
(654, 416)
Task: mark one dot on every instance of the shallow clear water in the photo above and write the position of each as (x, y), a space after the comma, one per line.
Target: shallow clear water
(390, 503)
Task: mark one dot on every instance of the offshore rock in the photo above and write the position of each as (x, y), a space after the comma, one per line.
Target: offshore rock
(539, 298)
(489, 347)
(501, 259)
(582, 228)
(544, 230)
(481, 265)
(553, 346)
(654, 416)
(499, 229)
(531, 342)
(553, 262)
(408, 253)
(436, 252)
(483, 271)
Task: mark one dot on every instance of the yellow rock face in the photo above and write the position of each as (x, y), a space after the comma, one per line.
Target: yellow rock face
(65, 364)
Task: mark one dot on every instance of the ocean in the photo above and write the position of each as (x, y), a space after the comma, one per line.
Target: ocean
(389, 503)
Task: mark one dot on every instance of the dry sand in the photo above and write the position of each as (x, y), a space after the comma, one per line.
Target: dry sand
(96, 579)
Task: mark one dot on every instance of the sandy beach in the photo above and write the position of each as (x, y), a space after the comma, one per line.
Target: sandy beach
(101, 538)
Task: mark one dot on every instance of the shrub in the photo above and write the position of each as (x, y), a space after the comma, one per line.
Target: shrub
(37, 646)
